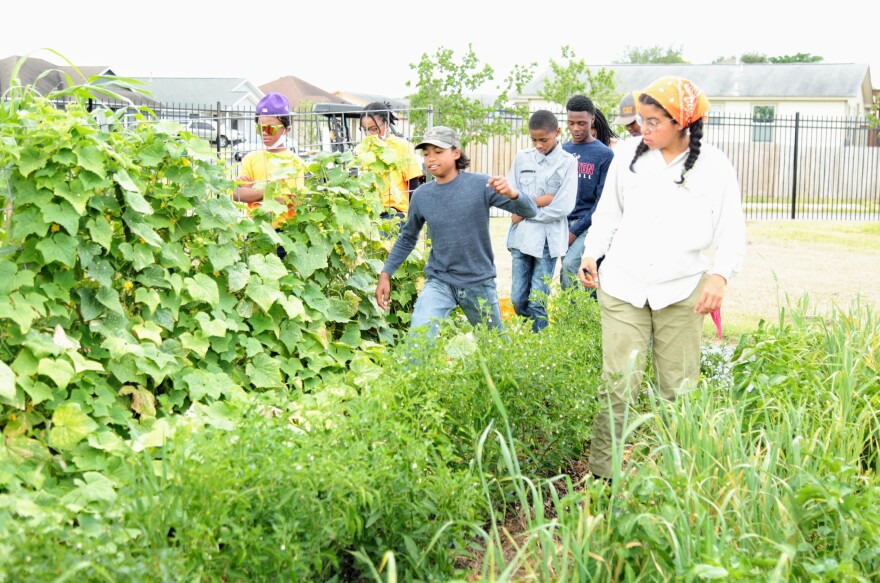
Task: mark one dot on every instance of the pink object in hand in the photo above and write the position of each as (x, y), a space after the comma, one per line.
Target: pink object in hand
(716, 317)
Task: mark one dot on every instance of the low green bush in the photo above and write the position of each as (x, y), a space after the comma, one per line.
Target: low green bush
(547, 381)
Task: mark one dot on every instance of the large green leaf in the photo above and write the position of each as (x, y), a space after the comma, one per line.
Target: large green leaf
(263, 295)
(239, 276)
(61, 248)
(97, 487)
(307, 260)
(203, 383)
(7, 381)
(109, 298)
(76, 193)
(88, 182)
(28, 222)
(145, 232)
(222, 256)
(124, 180)
(63, 214)
(264, 372)
(102, 271)
(69, 426)
(38, 391)
(148, 331)
(351, 219)
(202, 288)
(31, 159)
(269, 267)
(89, 307)
(196, 343)
(101, 231)
(16, 308)
(91, 158)
(148, 297)
(140, 255)
(12, 278)
(59, 370)
(338, 310)
(218, 213)
(152, 154)
(292, 305)
(209, 327)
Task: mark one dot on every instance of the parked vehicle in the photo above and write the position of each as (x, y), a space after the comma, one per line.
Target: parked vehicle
(207, 129)
(336, 131)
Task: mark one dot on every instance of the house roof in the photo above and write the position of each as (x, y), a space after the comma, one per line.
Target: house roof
(85, 73)
(731, 81)
(297, 91)
(29, 73)
(48, 77)
(228, 91)
(366, 98)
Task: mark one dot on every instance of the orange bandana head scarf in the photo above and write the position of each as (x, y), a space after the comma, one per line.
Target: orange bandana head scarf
(680, 98)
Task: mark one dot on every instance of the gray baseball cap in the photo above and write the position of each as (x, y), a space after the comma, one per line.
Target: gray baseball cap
(627, 109)
(440, 136)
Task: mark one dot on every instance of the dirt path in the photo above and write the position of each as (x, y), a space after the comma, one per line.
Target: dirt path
(834, 262)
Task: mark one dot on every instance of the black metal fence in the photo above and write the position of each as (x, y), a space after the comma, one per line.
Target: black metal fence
(795, 167)
(802, 167)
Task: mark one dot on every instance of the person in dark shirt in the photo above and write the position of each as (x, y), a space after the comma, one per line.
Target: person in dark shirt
(593, 158)
(461, 266)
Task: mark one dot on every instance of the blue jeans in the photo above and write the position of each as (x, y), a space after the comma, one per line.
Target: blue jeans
(437, 300)
(531, 275)
(568, 275)
(572, 262)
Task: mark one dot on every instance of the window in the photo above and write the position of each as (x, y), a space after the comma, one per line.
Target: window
(763, 120)
(716, 114)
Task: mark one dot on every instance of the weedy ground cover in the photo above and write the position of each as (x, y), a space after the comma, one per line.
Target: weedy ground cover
(771, 477)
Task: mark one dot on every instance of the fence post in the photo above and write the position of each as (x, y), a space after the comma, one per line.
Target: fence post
(794, 164)
(219, 129)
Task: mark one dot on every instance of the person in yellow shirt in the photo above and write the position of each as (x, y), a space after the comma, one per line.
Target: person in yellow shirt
(275, 169)
(378, 120)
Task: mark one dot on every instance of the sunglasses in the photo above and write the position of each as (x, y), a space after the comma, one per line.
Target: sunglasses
(271, 129)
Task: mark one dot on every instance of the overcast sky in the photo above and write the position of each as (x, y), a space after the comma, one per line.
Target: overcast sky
(368, 47)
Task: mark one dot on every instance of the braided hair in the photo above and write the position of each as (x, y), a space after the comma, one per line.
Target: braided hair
(604, 133)
(696, 136)
(381, 110)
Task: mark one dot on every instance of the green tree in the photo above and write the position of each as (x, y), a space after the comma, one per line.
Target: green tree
(753, 58)
(798, 58)
(449, 87)
(571, 76)
(722, 60)
(648, 55)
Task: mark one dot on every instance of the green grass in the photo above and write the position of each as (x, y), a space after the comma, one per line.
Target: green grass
(846, 235)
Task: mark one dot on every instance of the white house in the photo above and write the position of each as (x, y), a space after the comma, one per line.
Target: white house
(762, 91)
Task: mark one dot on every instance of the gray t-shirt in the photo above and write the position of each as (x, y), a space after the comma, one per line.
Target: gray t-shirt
(457, 213)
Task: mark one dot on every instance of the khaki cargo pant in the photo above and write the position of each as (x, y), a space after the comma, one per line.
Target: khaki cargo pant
(676, 332)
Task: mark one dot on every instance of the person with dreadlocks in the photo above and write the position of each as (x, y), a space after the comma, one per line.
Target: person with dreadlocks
(378, 120)
(602, 131)
(593, 160)
(668, 201)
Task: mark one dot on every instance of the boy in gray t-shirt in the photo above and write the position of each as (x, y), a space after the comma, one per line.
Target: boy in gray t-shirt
(461, 266)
